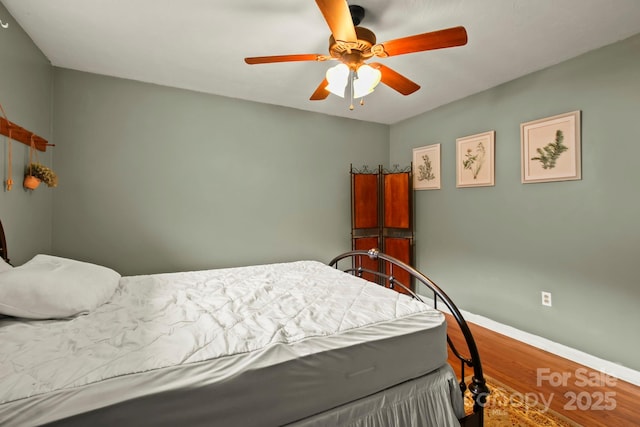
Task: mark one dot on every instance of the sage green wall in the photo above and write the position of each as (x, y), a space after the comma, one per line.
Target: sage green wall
(494, 249)
(157, 179)
(25, 94)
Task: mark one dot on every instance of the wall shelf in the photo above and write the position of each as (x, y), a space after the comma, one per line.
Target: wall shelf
(20, 134)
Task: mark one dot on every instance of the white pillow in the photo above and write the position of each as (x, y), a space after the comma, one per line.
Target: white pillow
(4, 265)
(49, 287)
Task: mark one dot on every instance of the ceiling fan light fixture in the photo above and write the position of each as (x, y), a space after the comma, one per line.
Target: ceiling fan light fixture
(353, 45)
(366, 81)
(338, 78)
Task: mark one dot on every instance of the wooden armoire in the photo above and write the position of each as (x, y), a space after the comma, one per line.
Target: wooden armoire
(382, 214)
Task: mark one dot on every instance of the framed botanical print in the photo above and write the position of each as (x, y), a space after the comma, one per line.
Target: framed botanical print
(426, 167)
(475, 160)
(551, 149)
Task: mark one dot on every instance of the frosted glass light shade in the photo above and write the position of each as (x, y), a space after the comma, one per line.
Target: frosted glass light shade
(337, 77)
(366, 81)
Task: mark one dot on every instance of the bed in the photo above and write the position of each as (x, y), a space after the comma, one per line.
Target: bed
(298, 343)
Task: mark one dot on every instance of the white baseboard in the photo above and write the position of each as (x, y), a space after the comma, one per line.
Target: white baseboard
(610, 368)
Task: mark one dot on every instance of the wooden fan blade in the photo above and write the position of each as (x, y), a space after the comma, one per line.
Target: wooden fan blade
(284, 58)
(338, 17)
(320, 93)
(450, 37)
(395, 80)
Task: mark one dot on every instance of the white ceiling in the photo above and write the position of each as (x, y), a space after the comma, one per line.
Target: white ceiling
(200, 44)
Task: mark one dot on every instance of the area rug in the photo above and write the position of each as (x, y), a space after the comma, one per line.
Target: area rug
(509, 408)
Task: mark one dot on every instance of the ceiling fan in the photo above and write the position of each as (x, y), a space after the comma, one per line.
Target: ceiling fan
(353, 45)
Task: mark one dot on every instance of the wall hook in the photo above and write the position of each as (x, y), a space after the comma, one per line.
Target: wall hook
(3, 25)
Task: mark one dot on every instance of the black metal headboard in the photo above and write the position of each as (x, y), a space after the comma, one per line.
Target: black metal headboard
(385, 276)
(3, 244)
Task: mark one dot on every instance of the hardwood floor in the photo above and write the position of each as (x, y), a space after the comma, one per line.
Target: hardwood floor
(581, 394)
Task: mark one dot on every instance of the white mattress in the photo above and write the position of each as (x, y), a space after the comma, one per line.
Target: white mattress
(259, 345)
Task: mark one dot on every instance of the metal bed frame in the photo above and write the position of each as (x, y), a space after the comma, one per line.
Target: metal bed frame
(3, 245)
(384, 276)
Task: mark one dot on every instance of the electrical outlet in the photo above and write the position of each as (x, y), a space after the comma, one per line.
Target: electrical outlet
(546, 298)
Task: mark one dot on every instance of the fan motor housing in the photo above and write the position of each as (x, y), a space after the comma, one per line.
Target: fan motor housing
(353, 53)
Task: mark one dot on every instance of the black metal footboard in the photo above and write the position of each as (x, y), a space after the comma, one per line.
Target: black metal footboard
(385, 276)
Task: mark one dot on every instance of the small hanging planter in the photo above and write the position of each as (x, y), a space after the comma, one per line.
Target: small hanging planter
(37, 172)
(31, 182)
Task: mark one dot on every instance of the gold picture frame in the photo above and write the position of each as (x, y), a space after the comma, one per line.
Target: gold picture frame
(426, 167)
(551, 149)
(475, 160)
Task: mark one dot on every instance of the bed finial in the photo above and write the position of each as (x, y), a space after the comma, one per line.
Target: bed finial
(373, 253)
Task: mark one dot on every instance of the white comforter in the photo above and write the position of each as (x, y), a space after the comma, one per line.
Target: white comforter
(158, 321)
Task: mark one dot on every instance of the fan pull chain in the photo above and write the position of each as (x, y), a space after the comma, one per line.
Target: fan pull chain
(352, 76)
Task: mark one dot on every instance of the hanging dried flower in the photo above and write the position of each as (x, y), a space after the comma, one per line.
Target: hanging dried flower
(43, 173)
